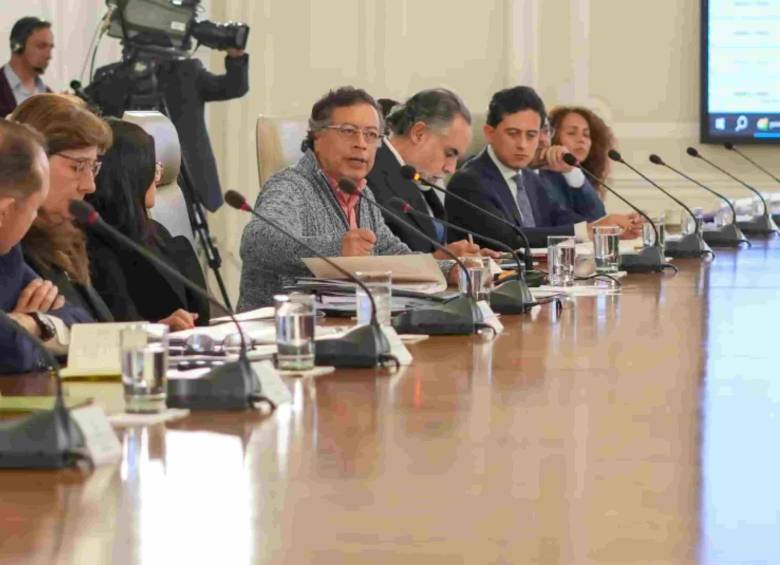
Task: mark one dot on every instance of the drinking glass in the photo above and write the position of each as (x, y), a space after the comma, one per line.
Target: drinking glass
(295, 314)
(144, 359)
(648, 235)
(476, 271)
(606, 248)
(561, 251)
(380, 285)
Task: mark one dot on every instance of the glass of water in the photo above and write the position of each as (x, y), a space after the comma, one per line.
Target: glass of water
(295, 314)
(648, 235)
(144, 351)
(380, 285)
(724, 216)
(561, 251)
(476, 271)
(606, 248)
(687, 224)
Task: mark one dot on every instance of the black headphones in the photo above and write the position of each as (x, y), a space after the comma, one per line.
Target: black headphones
(22, 30)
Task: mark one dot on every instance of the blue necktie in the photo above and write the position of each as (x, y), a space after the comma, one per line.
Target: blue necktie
(523, 203)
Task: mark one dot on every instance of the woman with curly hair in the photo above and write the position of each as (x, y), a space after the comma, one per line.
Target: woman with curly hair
(585, 135)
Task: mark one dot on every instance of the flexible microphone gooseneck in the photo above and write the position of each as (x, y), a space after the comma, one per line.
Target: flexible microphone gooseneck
(691, 245)
(510, 297)
(763, 224)
(350, 187)
(725, 236)
(231, 386)
(49, 439)
(731, 147)
(650, 258)
(363, 346)
(410, 173)
(460, 316)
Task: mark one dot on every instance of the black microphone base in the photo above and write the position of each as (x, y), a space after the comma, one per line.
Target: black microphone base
(648, 260)
(511, 297)
(691, 245)
(759, 225)
(459, 316)
(232, 386)
(44, 440)
(363, 346)
(726, 236)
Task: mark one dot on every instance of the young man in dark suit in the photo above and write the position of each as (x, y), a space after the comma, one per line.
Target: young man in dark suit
(498, 179)
(430, 131)
(31, 45)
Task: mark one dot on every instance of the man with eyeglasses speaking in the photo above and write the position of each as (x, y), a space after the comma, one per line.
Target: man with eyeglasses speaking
(344, 132)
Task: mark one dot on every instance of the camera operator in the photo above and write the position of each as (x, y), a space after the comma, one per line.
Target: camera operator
(31, 45)
(187, 86)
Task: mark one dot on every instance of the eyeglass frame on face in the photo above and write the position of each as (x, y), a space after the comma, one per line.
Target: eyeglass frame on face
(82, 164)
(350, 132)
(158, 172)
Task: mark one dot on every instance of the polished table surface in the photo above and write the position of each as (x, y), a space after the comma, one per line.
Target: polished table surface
(634, 428)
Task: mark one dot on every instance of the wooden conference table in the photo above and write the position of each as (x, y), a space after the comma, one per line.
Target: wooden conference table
(639, 428)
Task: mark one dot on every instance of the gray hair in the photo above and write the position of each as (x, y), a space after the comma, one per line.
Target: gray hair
(436, 107)
(321, 111)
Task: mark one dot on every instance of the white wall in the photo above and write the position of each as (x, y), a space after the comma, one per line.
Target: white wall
(73, 23)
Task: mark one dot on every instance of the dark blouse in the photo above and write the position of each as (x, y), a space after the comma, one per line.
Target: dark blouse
(135, 289)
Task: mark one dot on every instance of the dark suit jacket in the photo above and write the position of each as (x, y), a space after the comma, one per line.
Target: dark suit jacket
(583, 201)
(386, 183)
(480, 182)
(18, 351)
(187, 86)
(134, 289)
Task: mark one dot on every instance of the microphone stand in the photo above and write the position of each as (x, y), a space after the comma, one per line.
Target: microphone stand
(724, 236)
(459, 316)
(534, 277)
(651, 257)
(758, 225)
(732, 147)
(510, 297)
(691, 245)
(363, 346)
(49, 439)
(231, 386)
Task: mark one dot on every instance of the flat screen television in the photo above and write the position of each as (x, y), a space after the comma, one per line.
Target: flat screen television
(740, 71)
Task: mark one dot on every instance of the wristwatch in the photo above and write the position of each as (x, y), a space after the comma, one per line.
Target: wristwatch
(45, 326)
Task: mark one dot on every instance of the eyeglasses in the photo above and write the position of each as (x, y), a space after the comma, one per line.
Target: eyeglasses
(81, 165)
(352, 133)
(158, 172)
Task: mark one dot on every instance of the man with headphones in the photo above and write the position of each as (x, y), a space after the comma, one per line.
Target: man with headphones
(31, 44)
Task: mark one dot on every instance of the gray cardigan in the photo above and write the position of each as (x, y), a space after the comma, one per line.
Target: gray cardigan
(300, 199)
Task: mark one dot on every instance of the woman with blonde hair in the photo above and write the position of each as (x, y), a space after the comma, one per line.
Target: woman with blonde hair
(589, 139)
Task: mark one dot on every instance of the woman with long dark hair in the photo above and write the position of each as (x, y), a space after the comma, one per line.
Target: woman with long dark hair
(132, 287)
(585, 135)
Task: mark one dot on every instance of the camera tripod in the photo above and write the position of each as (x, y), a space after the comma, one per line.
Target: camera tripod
(145, 94)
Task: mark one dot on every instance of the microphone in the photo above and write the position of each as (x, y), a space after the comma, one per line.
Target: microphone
(231, 386)
(410, 173)
(762, 225)
(363, 346)
(725, 236)
(510, 297)
(731, 147)
(76, 87)
(49, 439)
(691, 245)
(650, 258)
(460, 316)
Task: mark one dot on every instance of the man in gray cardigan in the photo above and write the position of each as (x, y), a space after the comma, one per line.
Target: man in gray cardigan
(344, 133)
